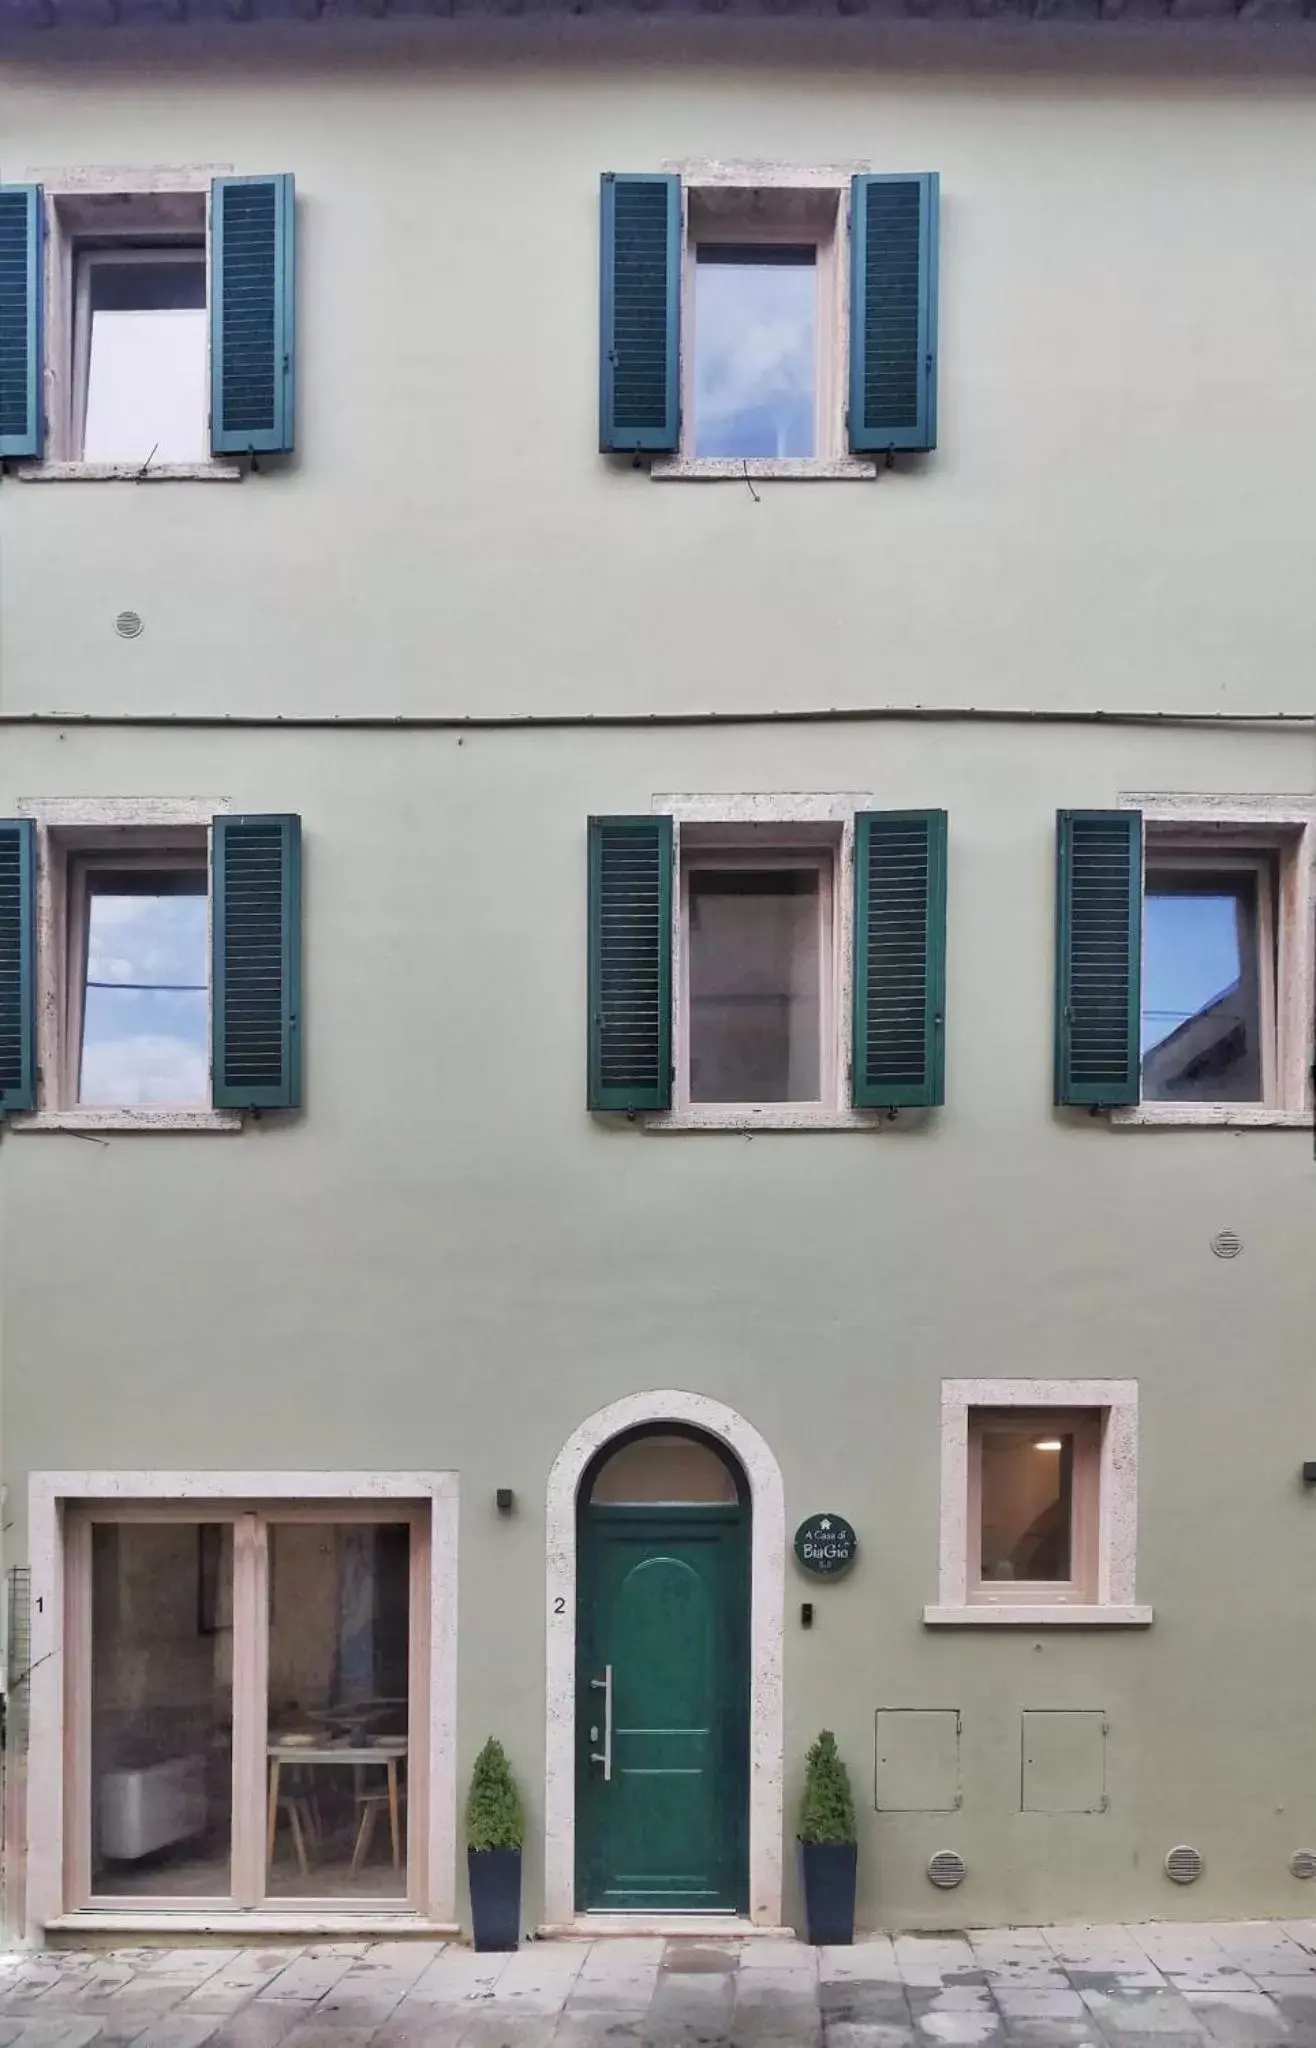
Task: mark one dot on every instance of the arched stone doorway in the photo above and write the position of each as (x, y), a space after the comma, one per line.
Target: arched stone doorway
(653, 1447)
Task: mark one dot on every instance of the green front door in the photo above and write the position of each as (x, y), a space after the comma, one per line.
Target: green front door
(662, 1709)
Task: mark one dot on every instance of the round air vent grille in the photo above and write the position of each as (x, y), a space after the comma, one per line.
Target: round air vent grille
(128, 625)
(1184, 1865)
(1226, 1244)
(1302, 1863)
(946, 1870)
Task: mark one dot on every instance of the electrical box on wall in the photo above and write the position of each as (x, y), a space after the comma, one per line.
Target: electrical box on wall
(1063, 1768)
(918, 1760)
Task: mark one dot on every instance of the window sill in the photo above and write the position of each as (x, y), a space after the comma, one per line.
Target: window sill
(1242, 1116)
(805, 1116)
(685, 469)
(128, 473)
(1055, 1615)
(91, 1122)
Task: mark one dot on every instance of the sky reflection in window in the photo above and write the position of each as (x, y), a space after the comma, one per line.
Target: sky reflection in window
(146, 1013)
(756, 322)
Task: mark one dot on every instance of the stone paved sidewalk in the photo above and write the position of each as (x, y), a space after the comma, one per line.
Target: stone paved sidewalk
(1156, 1986)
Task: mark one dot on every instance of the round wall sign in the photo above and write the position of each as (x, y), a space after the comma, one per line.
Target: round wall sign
(825, 1545)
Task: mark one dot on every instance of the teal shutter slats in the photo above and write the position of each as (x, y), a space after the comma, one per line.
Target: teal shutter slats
(252, 289)
(1098, 956)
(640, 313)
(18, 1060)
(630, 963)
(893, 312)
(256, 918)
(900, 960)
(22, 414)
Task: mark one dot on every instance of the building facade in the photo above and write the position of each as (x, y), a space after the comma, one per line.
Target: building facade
(567, 1011)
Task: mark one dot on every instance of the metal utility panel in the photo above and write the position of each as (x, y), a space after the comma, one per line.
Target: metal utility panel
(918, 1760)
(1064, 1761)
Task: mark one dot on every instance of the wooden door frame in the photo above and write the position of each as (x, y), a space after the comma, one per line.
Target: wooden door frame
(766, 1628)
(58, 1509)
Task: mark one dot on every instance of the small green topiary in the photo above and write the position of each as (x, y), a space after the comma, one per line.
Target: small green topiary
(827, 1809)
(494, 1819)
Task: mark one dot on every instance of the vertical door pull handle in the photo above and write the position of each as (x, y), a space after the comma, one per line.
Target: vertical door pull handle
(604, 1757)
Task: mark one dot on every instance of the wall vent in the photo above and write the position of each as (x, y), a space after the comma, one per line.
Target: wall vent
(1184, 1865)
(946, 1869)
(1302, 1863)
(128, 625)
(1226, 1244)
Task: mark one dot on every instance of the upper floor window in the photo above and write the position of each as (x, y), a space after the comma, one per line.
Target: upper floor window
(1184, 959)
(150, 964)
(140, 354)
(724, 990)
(766, 322)
(148, 322)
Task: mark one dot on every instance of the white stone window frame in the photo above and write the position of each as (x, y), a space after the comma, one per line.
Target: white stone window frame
(1284, 825)
(49, 1494)
(799, 189)
(68, 825)
(66, 190)
(1116, 1605)
(770, 818)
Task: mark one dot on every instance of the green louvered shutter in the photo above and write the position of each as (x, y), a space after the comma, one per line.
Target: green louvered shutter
(630, 963)
(1098, 956)
(900, 960)
(18, 1056)
(252, 292)
(893, 313)
(256, 921)
(640, 313)
(22, 414)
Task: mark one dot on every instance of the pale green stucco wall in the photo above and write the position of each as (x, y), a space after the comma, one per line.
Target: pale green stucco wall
(445, 1262)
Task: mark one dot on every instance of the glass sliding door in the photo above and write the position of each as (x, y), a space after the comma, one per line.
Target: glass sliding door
(161, 1776)
(339, 1669)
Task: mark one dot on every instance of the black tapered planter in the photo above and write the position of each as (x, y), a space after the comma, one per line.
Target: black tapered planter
(830, 1870)
(495, 1897)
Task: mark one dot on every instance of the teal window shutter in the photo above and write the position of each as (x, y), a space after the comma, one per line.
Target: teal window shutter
(630, 963)
(893, 312)
(900, 960)
(640, 313)
(252, 291)
(1098, 956)
(22, 414)
(18, 998)
(256, 972)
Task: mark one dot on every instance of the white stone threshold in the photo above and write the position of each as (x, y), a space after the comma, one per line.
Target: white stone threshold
(315, 1924)
(719, 1926)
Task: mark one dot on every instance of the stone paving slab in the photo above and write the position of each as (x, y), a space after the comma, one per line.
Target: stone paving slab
(1244, 1984)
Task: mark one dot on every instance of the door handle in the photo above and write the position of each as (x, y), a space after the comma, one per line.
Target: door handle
(604, 1685)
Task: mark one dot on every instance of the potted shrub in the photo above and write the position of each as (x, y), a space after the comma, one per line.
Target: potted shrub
(495, 1830)
(827, 1845)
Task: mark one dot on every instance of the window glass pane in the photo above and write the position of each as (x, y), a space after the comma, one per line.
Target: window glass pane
(146, 361)
(1201, 1023)
(669, 1469)
(754, 982)
(338, 1684)
(161, 1709)
(146, 1013)
(1027, 1503)
(756, 320)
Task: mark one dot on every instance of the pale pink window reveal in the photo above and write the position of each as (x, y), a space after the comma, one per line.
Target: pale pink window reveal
(757, 969)
(247, 1690)
(1034, 1505)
